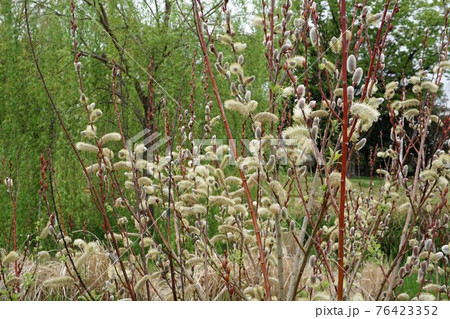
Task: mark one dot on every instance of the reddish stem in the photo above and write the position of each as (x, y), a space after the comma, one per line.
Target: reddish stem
(344, 152)
(233, 149)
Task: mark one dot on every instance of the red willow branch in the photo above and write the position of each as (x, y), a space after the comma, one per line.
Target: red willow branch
(233, 148)
(375, 51)
(96, 198)
(65, 131)
(344, 152)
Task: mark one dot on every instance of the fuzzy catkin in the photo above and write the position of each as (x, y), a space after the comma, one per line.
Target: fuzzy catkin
(360, 144)
(59, 282)
(357, 76)
(278, 190)
(10, 258)
(313, 36)
(111, 137)
(83, 259)
(236, 106)
(430, 86)
(351, 63)
(265, 117)
(140, 284)
(86, 147)
(220, 200)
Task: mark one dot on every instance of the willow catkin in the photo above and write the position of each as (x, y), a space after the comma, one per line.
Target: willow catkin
(288, 91)
(312, 261)
(59, 282)
(351, 63)
(265, 117)
(427, 297)
(239, 47)
(410, 103)
(89, 132)
(141, 283)
(357, 76)
(43, 255)
(319, 113)
(275, 208)
(278, 190)
(360, 144)
(402, 297)
(13, 281)
(428, 244)
(270, 165)
(336, 45)
(313, 36)
(111, 137)
(236, 68)
(124, 165)
(350, 93)
(314, 132)
(95, 115)
(430, 86)
(366, 113)
(445, 249)
(83, 259)
(86, 147)
(10, 258)
(228, 229)
(194, 261)
(236, 106)
(220, 200)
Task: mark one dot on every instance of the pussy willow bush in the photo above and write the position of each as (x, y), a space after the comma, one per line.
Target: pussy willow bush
(202, 219)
